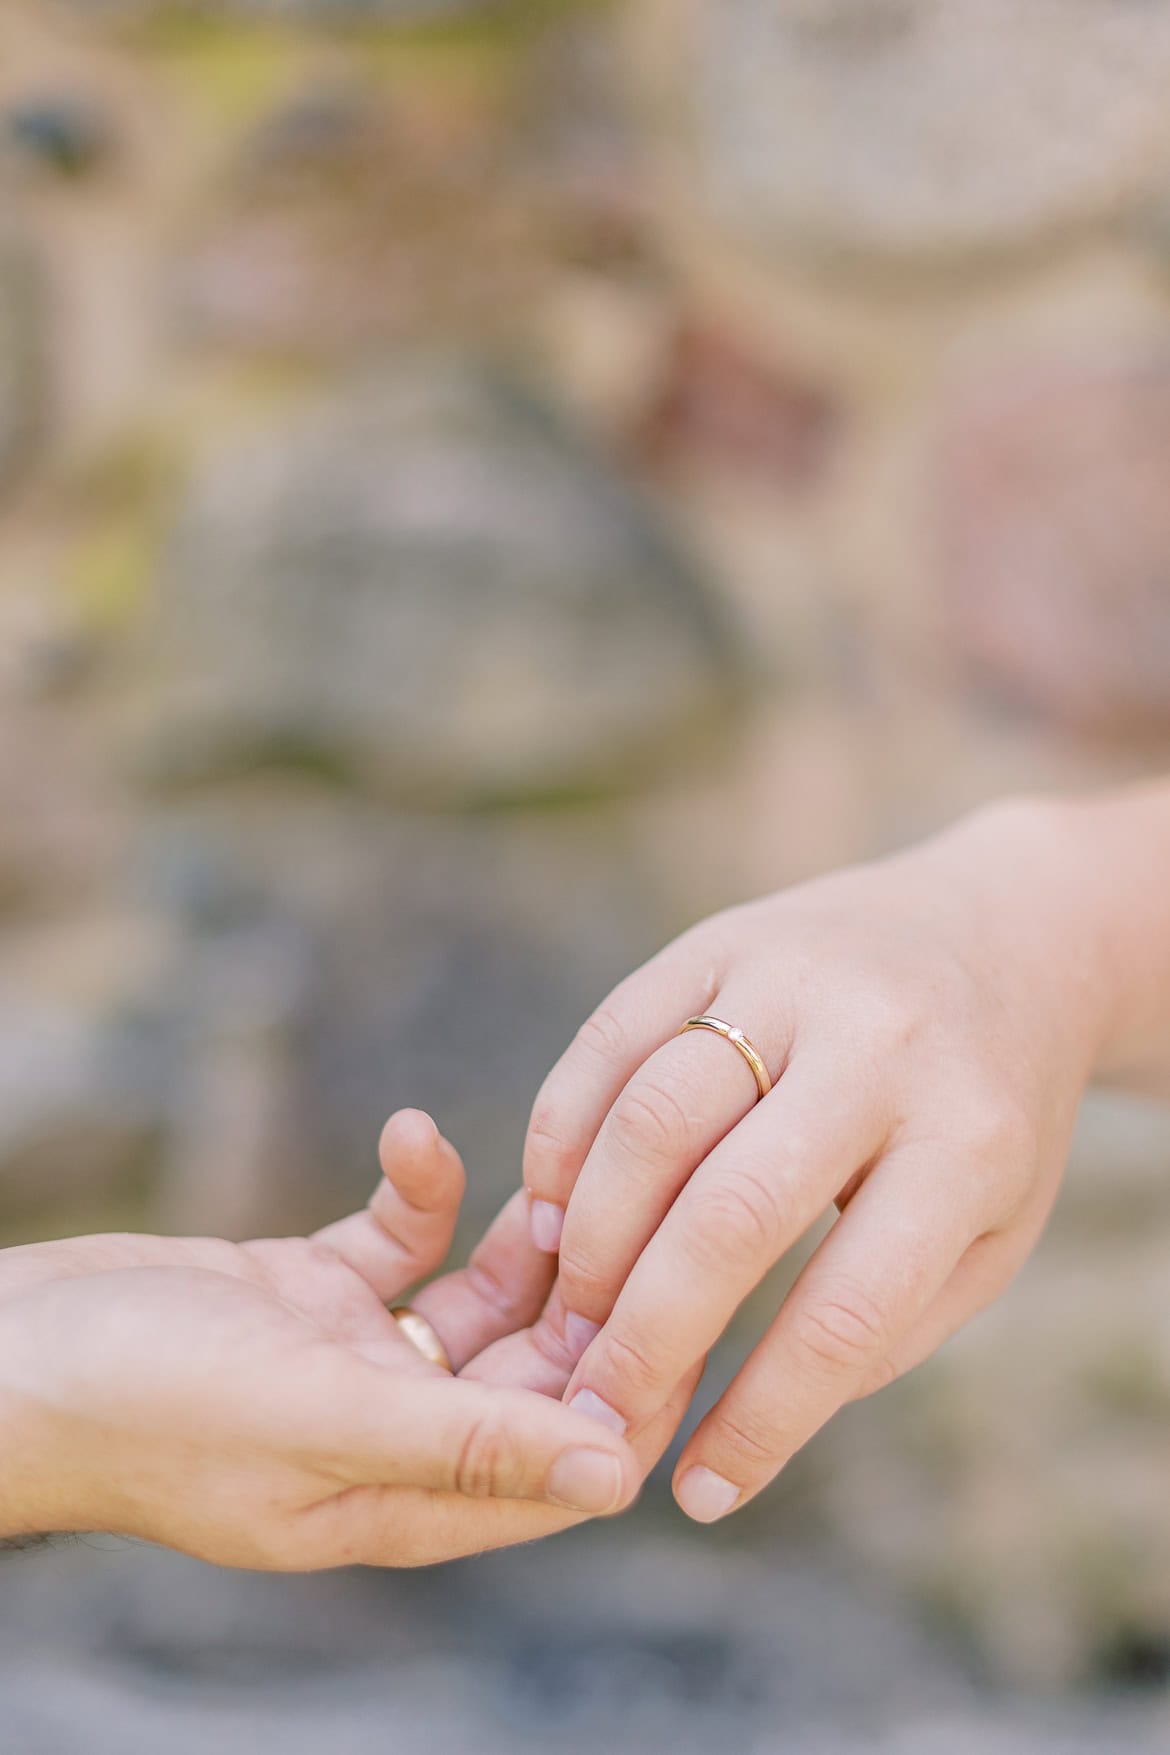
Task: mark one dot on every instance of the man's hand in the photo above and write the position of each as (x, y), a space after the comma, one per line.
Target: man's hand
(257, 1405)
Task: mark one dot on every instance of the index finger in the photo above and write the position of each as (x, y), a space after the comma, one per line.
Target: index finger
(406, 1229)
(500, 1291)
(643, 1012)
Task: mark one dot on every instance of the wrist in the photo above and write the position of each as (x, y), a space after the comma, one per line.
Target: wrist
(48, 1481)
(1122, 848)
(1086, 880)
(32, 1500)
(44, 1309)
(1033, 868)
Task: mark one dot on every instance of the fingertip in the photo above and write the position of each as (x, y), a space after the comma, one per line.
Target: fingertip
(548, 1223)
(407, 1132)
(588, 1480)
(587, 1402)
(623, 1465)
(580, 1334)
(419, 1166)
(703, 1495)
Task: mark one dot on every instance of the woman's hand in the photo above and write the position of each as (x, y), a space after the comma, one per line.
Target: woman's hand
(257, 1406)
(931, 1022)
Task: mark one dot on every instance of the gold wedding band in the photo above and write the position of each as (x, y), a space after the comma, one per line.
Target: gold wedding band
(422, 1337)
(738, 1040)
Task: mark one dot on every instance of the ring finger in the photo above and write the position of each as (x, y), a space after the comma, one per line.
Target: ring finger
(672, 1113)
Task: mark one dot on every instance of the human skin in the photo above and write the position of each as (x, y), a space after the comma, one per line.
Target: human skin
(256, 1405)
(931, 1021)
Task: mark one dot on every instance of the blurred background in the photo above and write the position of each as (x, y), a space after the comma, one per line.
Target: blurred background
(481, 486)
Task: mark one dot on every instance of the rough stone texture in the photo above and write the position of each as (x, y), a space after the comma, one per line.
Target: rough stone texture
(909, 126)
(303, 255)
(320, 196)
(1054, 535)
(299, 958)
(303, 1013)
(87, 1065)
(434, 585)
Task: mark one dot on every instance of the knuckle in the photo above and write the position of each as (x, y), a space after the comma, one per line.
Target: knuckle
(749, 1441)
(488, 1465)
(603, 1035)
(547, 1151)
(880, 1376)
(801, 1149)
(738, 1219)
(890, 1017)
(549, 1341)
(585, 1285)
(548, 1148)
(503, 1300)
(1000, 1133)
(840, 1330)
(630, 1360)
(1000, 1145)
(650, 1123)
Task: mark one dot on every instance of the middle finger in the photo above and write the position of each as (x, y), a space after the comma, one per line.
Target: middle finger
(754, 1197)
(501, 1290)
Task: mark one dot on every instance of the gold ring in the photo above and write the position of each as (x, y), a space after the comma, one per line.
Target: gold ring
(422, 1337)
(738, 1040)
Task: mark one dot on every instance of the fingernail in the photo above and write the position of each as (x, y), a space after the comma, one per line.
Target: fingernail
(586, 1402)
(706, 1496)
(547, 1224)
(586, 1480)
(579, 1331)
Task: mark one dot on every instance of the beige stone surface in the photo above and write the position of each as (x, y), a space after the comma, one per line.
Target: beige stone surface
(914, 127)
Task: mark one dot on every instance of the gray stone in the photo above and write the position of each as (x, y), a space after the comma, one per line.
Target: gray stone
(914, 126)
(340, 962)
(433, 586)
(59, 132)
(323, 129)
(81, 1102)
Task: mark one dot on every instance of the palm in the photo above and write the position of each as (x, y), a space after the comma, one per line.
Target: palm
(256, 1404)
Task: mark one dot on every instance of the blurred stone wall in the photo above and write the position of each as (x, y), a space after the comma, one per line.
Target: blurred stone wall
(483, 485)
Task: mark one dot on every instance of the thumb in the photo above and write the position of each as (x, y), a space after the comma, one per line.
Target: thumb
(457, 1436)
